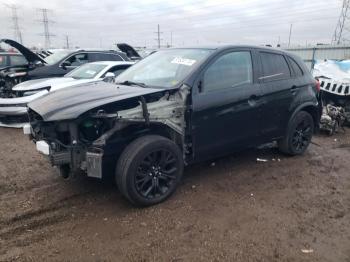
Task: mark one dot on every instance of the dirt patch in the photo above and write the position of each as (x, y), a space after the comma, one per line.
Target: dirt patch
(286, 209)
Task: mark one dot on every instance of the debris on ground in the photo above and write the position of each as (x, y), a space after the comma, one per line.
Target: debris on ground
(261, 160)
(307, 251)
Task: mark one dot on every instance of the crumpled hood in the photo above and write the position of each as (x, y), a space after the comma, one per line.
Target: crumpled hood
(71, 103)
(29, 55)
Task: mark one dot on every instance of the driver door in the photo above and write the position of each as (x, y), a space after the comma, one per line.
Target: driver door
(226, 105)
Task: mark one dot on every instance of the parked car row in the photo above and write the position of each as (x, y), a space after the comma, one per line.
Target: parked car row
(13, 109)
(56, 64)
(174, 108)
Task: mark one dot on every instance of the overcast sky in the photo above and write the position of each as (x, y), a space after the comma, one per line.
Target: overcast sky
(92, 23)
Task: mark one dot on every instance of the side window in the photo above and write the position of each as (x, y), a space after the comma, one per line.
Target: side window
(230, 70)
(78, 59)
(275, 67)
(18, 60)
(296, 68)
(3, 60)
(104, 57)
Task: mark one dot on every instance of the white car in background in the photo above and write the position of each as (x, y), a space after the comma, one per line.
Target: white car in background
(13, 111)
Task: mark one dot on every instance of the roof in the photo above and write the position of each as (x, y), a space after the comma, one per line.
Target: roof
(222, 47)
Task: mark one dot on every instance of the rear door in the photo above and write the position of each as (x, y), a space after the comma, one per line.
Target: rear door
(226, 105)
(277, 85)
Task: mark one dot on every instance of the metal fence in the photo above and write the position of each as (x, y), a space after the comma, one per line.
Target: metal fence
(310, 54)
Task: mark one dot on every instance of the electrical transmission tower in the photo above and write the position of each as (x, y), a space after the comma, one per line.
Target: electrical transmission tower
(158, 36)
(17, 31)
(338, 36)
(45, 21)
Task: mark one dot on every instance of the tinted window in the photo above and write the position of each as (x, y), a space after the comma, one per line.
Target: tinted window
(275, 66)
(229, 70)
(18, 60)
(104, 57)
(296, 68)
(2, 60)
(78, 59)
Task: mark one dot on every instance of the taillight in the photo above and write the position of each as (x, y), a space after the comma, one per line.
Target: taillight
(318, 85)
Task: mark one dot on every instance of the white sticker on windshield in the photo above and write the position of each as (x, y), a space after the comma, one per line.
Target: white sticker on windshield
(183, 61)
(91, 72)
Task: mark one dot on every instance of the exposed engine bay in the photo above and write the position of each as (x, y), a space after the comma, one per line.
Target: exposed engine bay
(83, 144)
(336, 105)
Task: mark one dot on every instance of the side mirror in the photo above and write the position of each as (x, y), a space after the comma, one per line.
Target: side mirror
(109, 77)
(65, 64)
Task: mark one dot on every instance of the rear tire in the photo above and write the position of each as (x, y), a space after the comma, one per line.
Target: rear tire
(149, 170)
(299, 134)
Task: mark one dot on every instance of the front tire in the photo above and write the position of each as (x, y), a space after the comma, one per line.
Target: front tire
(149, 170)
(299, 134)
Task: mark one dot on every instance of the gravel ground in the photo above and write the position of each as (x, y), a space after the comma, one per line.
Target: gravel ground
(235, 209)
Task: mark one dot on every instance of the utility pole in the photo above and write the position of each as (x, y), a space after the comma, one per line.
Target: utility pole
(67, 41)
(338, 36)
(158, 36)
(290, 34)
(46, 22)
(17, 31)
(171, 39)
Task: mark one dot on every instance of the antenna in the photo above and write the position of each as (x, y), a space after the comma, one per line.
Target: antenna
(338, 35)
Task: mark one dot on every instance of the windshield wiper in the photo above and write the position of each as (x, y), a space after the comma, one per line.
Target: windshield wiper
(130, 83)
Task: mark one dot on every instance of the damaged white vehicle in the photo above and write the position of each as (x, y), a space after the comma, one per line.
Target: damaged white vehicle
(13, 110)
(334, 79)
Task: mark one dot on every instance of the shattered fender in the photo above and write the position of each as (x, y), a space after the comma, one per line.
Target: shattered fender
(169, 110)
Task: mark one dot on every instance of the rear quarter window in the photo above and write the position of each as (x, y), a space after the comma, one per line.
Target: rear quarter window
(295, 67)
(275, 67)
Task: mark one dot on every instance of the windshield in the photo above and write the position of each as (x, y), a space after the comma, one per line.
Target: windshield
(57, 56)
(165, 68)
(86, 71)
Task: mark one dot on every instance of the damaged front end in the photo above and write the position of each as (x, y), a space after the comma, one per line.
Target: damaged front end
(93, 142)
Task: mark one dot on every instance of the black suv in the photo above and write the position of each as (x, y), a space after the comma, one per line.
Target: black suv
(174, 108)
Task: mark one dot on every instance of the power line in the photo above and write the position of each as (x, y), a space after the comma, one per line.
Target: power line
(16, 28)
(46, 22)
(338, 35)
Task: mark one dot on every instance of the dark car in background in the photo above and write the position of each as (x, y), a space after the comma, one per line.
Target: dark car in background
(174, 108)
(8, 59)
(56, 64)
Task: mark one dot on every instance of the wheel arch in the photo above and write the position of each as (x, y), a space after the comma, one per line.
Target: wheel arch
(310, 108)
